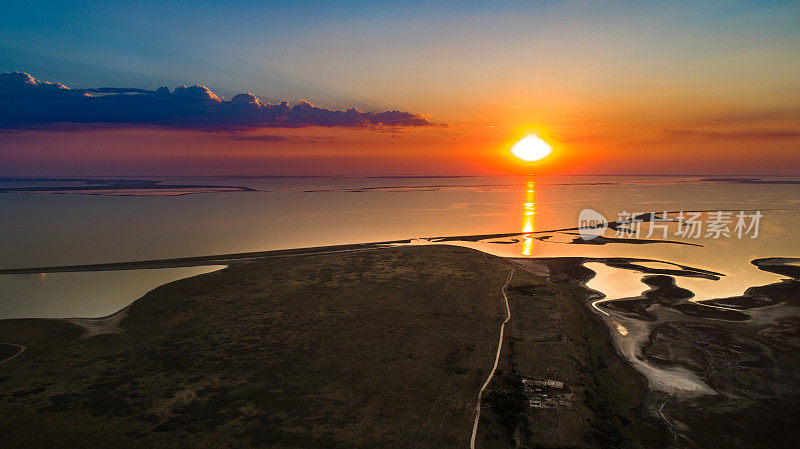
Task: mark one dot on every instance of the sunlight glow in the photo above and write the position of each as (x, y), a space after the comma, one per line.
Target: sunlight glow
(531, 148)
(528, 217)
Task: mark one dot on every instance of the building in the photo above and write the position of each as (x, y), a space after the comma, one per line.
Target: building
(543, 383)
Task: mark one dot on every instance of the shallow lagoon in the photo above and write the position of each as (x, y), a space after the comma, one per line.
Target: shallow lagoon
(47, 229)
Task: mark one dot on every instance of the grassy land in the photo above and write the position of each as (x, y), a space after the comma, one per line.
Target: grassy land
(7, 351)
(380, 348)
(553, 335)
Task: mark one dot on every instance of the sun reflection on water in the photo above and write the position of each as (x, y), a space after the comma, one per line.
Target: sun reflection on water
(529, 217)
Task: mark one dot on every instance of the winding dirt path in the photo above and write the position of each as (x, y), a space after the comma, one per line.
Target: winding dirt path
(496, 360)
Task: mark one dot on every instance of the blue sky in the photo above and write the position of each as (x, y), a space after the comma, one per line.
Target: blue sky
(340, 52)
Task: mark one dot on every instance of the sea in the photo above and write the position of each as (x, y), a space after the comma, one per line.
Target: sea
(719, 224)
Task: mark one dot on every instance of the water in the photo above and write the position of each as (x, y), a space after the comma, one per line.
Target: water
(87, 294)
(50, 229)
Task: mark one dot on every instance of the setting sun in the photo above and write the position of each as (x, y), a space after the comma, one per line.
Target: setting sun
(531, 148)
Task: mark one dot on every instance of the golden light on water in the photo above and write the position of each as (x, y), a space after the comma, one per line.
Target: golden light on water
(531, 148)
(529, 217)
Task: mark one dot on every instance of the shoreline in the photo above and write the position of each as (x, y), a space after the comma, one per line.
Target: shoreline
(109, 324)
(758, 314)
(598, 358)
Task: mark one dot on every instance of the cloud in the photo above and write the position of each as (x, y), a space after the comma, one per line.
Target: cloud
(26, 102)
(771, 117)
(260, 138)
(734, 135)
(274, 138)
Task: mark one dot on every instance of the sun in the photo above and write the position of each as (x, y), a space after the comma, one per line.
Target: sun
(531, 148)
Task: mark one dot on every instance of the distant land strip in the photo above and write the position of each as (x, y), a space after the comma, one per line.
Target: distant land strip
(105, 184)
(220, 259)
(238, 258)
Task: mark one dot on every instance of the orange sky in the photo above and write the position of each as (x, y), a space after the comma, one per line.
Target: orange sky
(616, 88)
(579, 148)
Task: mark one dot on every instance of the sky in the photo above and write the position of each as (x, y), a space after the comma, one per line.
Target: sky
(398, 88)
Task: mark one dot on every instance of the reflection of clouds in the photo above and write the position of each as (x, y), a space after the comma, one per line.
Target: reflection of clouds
(487, 215)
(480, 187)
(451, 207)
(628, 186)
(466, 205)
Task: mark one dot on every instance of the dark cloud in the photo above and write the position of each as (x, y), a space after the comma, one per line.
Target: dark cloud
(115, 90)
(771, 117)
(261, 138)
(744, 135)
(26, 103)
(275, 138)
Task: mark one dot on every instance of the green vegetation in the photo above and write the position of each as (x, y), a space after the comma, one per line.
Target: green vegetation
(508, 404)
(7, 351)
(367, 349)
(553, 335)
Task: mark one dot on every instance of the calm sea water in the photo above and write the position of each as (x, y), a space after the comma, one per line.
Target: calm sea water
(46, 229)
